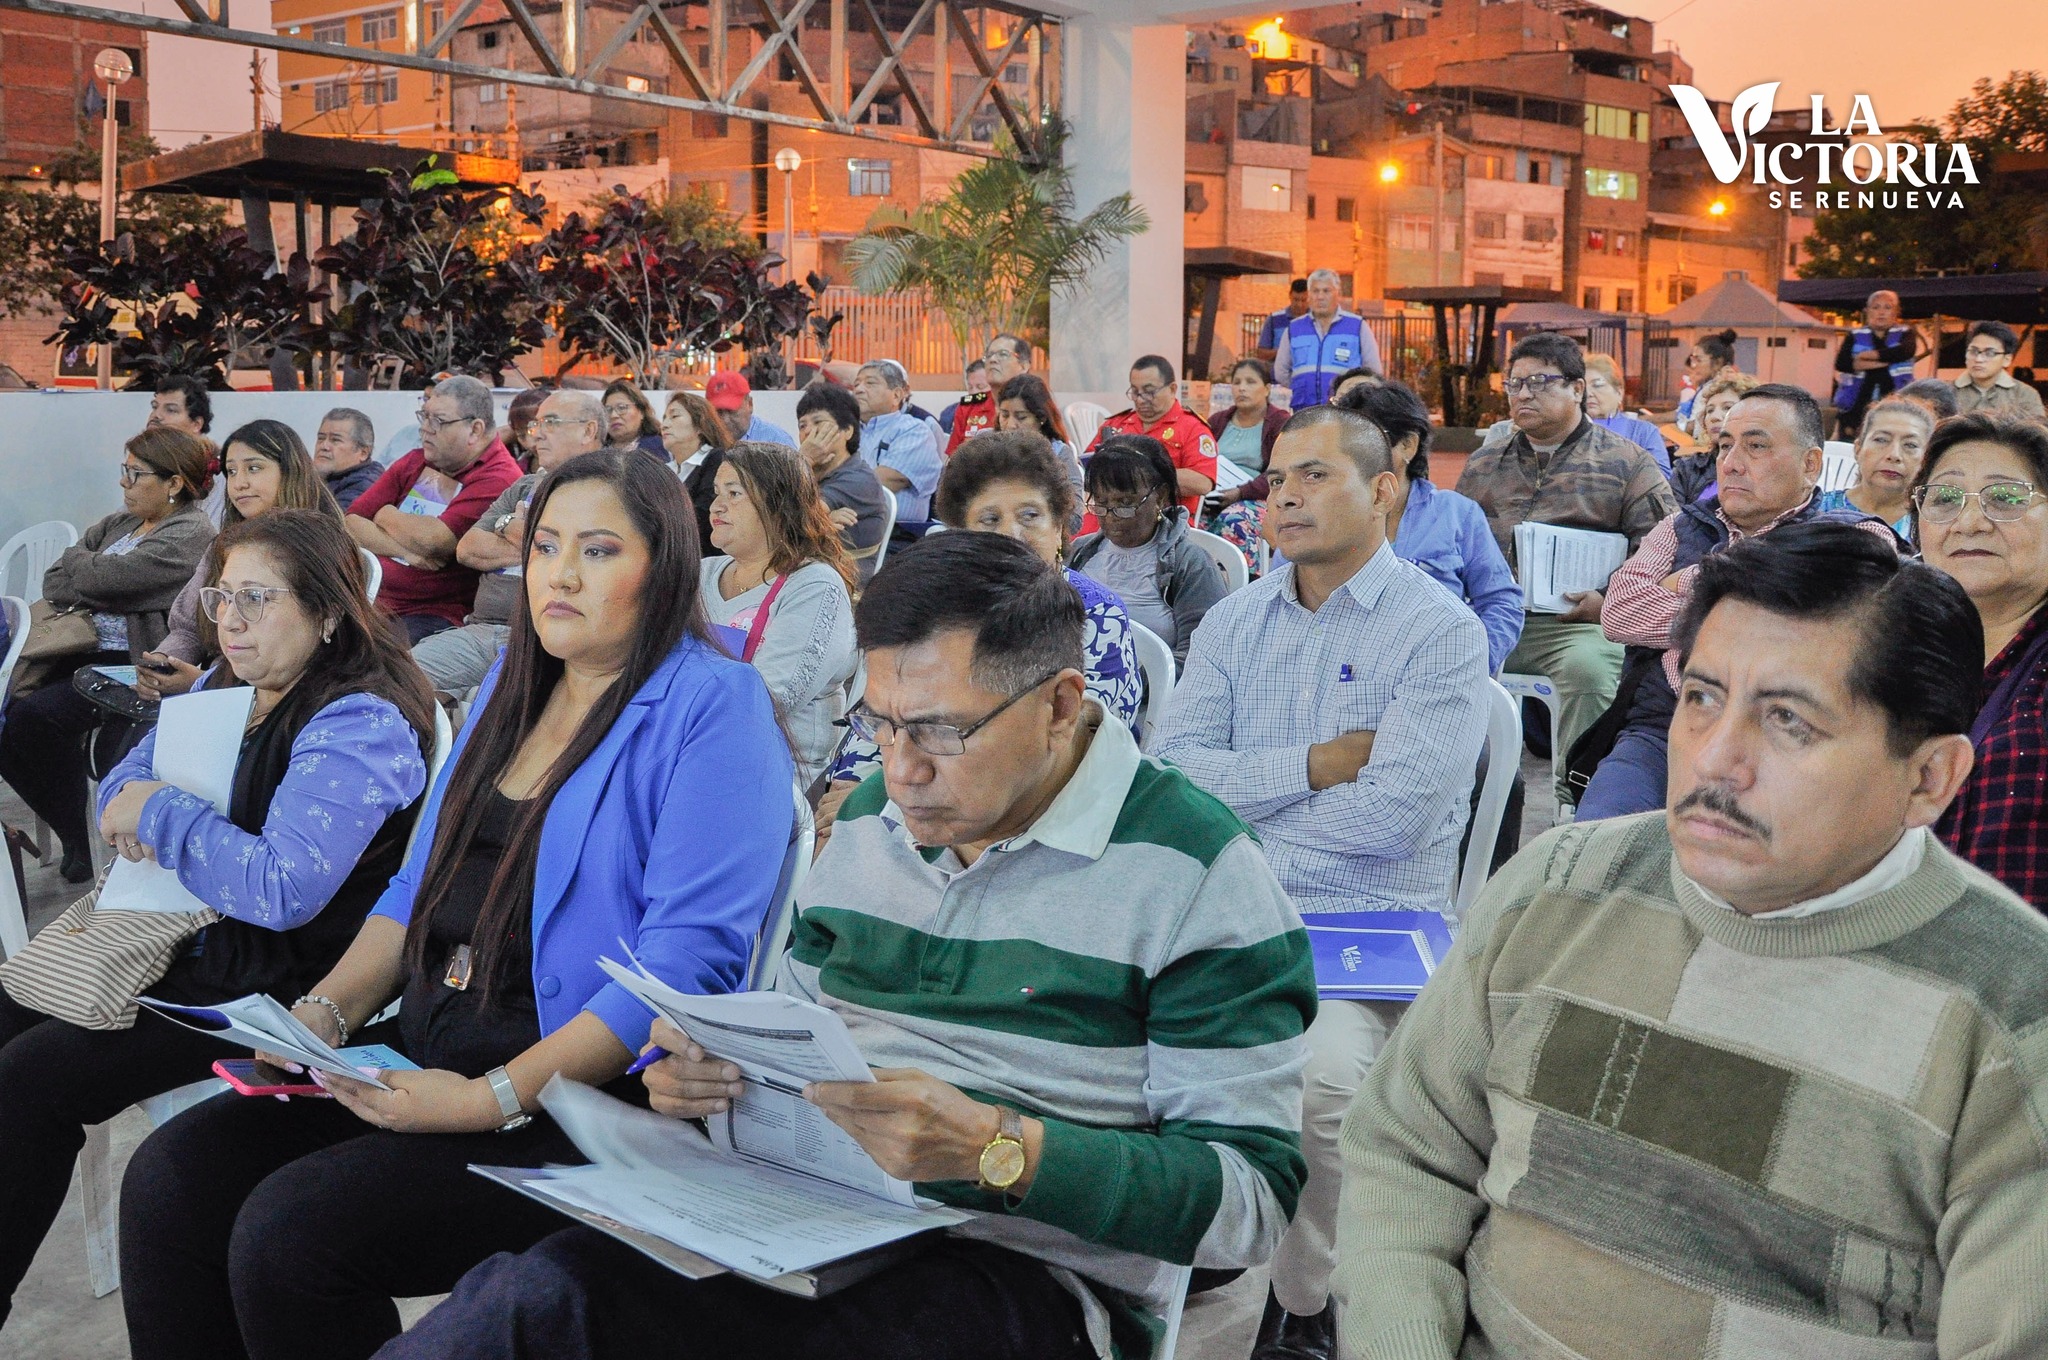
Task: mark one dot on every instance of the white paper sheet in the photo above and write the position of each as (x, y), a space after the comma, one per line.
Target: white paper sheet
(198, 745)
(755, 1219)
(1229, 474)
(1551, 561)
(780, 1043)
(258, 1022)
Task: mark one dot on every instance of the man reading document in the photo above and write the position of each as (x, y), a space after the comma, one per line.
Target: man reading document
(1081, 990)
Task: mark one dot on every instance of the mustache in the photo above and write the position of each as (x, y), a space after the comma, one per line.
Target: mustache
(1717, 800)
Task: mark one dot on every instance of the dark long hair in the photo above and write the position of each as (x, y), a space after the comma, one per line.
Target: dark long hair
(1037, 398)
(800, 530)
(325, 574)
(648, 424)
(670, 611)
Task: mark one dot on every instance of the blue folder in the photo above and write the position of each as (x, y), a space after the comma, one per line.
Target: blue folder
(1376, 955)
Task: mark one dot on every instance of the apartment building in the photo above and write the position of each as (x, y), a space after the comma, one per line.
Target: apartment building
(48, 61)
(558, 129)
(324, 97)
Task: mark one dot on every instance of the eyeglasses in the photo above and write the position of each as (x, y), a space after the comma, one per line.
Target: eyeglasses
(1975, 352)
(435, 424)
(131, 475)
(2001, 501)
(934, 739)
(1143, 393)
(564, 422)
(996, 356)
(250, 601)
(1536, 384)
(1127, 510)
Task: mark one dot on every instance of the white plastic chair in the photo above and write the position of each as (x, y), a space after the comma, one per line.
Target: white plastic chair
(17, 637)
(1543, 691)
(444, 741)
(1170, 1337)
(1155, 661)
(1084, 418)
(1838, 469)
(1503, 758)
(1227, 555)
(373, 574)
(888, 526)
(35, 547)
(773, 940)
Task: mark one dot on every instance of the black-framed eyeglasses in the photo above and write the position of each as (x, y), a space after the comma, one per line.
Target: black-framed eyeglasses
(1978, 353)
(1128, 510)
(249, 601)
(131, 475)
(430, 424)
(1536, 384)
(1943, 502)
(932, 738)
(1145, 393)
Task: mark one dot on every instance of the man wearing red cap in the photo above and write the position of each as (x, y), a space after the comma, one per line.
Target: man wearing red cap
(732, 396)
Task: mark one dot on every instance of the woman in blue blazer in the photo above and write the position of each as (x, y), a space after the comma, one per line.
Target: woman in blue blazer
(622, 782)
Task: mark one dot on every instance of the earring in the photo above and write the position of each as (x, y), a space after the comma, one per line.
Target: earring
(327, 634)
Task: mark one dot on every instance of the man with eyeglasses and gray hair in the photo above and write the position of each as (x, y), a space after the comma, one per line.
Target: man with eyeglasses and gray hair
(413, 516)
(342, 449)
(1007, 356)
(1560, 468)
(903, 448)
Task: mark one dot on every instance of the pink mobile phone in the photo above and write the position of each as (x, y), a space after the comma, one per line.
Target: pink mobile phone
(252, 1078)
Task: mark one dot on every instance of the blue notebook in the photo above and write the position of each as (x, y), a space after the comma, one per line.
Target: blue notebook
(1376, 955)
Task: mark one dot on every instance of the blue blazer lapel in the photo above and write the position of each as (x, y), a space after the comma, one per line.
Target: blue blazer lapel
(573, 813)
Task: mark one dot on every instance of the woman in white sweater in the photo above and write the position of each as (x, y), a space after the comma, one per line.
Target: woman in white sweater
(784, 584)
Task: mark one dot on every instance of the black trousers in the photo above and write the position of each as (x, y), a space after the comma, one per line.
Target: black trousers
(276, 1229)
(582, 1296)
(42, 752)
(55, 1079)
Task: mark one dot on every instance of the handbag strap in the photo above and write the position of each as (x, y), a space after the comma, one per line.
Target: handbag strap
(760, 624)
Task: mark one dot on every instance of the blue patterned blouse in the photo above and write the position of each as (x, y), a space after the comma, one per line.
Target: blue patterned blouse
(354, 763)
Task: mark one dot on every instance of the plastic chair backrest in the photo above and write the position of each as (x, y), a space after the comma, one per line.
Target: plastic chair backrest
(1503, 758)
(1155, 660)
(1170, 1337)
(775, 931)
(1838, 469)
(373, 574)
(35, 547)
(1084, 418)
(1227, 555)
(444, 741)
(17, 637)
(888, 525)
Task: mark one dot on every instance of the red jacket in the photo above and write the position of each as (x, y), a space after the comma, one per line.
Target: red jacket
(1188, 444)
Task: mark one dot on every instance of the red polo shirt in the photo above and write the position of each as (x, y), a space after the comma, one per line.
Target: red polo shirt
(1188, 445)
(448, 592)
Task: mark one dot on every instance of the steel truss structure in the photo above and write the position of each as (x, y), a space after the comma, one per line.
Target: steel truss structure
(959, 38)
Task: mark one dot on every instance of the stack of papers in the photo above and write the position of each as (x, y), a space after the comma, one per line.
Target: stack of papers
(1376, 955)
(260, 1023)
(1551, 562)
(198, 744)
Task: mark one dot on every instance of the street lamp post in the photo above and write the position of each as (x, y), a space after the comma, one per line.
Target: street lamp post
(788, 162)
(113, 67)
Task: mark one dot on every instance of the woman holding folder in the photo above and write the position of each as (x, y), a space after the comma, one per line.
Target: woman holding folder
(331, 766)
(621, 781)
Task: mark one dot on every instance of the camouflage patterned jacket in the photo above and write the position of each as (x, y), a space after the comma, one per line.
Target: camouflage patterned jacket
(1594, 480)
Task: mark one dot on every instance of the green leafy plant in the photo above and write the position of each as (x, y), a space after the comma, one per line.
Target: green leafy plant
(422, 283)
(994, 250)
(620, 286)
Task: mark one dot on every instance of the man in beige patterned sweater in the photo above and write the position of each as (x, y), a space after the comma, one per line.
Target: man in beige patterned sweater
(1763, 1075)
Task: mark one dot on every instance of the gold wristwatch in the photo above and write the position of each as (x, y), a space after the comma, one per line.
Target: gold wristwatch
(1002, 1161)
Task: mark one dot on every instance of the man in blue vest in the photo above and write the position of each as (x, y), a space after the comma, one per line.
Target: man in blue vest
(1875, 360)
(1319, 346)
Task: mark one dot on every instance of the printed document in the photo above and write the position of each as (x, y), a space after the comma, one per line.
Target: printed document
(260, 1022)
(198, 744)
(1551, 561)
(780, 1044)
(660, 1176)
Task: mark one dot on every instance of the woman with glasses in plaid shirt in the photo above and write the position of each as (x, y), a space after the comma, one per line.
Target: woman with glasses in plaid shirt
(1983, 519)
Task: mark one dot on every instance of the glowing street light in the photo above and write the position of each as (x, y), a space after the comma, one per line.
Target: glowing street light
(1718, 208)
(1390, 172)
(788, 162)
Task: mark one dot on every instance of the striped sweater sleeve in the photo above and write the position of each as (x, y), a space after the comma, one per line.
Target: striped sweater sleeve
(1215, 1184)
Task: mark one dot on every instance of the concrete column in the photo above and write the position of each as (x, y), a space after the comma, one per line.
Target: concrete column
(1125, 92)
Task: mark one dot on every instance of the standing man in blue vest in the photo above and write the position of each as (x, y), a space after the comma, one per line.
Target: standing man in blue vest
(1324, 343)
(1875, 360)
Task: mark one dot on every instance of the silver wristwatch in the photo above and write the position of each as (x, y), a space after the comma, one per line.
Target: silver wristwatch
(508, 1100)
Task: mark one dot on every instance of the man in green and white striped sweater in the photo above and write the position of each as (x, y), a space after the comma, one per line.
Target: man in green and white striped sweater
(1764, 1075)
(1081, 989)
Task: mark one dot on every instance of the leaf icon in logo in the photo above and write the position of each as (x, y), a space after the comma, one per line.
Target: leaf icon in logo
(1749, 112)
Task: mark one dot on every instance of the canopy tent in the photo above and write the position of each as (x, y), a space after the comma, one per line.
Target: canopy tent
(1737, 302)
(1556, 316)
(1773, 340)
(2017, 299)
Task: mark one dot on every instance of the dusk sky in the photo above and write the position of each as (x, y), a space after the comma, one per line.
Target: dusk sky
(1811, 47)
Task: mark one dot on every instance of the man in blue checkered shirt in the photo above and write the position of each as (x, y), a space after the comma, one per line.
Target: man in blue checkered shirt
(1338, 705)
